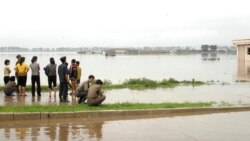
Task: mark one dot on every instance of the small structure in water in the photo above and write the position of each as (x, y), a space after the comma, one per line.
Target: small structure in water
(243, 55)
(109, 53)
(243, 49)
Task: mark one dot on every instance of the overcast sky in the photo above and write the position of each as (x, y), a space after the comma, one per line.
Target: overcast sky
(120, 23)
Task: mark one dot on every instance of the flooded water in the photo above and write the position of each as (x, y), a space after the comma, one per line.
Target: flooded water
(210, 127)
(156, 67)
(235, 94)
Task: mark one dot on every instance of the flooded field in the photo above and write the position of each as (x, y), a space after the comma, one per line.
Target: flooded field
(155, 67)
(221, 127)
(236, 94)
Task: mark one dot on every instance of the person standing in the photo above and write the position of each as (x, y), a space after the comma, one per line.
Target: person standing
(95, 95)
(73, 78)
(7, 71)
(18, 57)
(35, 76)
(64, 80)
(79, 73)
(82, 89)
(51, 73)
(22, 69)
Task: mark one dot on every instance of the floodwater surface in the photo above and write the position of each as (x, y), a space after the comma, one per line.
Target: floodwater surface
(214, 127)
(236, 94)
(155, 67)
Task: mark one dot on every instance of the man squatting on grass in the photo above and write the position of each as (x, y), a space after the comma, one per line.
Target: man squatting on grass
(82, 89)
(95, 95)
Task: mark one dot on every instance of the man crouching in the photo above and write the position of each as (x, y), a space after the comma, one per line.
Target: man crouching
(82, 89)
(10, 87)
(95, 94)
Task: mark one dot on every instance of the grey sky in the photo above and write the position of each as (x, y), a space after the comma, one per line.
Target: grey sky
(56, 23)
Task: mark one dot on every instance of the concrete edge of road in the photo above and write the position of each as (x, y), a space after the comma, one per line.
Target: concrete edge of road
(16, 116)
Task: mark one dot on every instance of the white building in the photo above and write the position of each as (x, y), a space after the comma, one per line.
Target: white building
(243, 55)
(243, 49)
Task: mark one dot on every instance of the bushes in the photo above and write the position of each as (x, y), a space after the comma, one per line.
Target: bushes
(139, 83)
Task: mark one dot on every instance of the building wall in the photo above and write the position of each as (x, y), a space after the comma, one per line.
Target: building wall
(247, 56)
(241, 53)
(243, 70)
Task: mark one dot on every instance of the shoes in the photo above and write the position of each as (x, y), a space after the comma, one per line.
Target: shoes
(82, 102)
(65, 100)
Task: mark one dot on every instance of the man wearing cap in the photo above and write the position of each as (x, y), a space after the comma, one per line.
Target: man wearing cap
(64, 80)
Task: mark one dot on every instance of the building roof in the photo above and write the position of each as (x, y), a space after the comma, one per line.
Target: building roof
(241, 42)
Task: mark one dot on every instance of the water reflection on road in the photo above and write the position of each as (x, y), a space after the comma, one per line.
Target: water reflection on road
(222, 127)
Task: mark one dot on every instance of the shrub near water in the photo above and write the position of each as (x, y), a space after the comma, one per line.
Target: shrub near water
(143, 82)
(147, 83)
(171, 82)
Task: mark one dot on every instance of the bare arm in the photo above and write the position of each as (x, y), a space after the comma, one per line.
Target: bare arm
(9, 70)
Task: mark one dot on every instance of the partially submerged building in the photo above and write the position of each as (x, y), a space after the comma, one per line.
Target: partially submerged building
(243, 49)
(243, 56)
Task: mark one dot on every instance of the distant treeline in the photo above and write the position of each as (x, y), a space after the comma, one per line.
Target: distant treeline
(60, 49)
(204, 48)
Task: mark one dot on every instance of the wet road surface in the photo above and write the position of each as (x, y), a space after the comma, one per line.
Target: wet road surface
(209, 127)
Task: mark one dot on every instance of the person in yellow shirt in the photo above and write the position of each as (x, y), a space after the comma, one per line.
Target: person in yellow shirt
(22, 69)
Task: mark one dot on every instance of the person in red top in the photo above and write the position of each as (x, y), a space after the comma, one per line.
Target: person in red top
(73, 78)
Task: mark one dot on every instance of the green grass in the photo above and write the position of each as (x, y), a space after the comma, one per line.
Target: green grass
(116, 106)
(242, 81)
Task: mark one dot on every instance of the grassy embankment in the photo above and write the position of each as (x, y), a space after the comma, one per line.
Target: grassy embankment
(117, 106)
(141, 83)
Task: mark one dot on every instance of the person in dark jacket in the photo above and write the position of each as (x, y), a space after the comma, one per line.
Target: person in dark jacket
(51, 73)
(64, 80)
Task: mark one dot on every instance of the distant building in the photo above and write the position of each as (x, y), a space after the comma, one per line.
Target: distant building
(243, 55)
(243, 49)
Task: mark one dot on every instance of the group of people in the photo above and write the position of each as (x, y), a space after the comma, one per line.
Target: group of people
(68, 77)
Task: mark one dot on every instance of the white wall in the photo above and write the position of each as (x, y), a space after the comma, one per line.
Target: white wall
(247, 56)
(241, 53)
